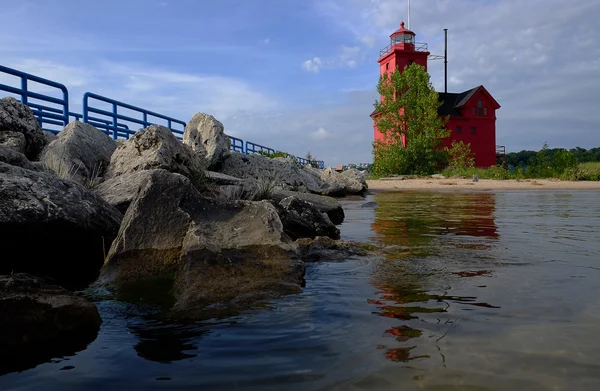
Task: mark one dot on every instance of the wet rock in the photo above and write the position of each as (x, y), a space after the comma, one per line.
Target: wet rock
(152, 148)
(371, 204)
(324, 204)
(53, 227)
(80, 153)
(326, 249)
(40, 320)
(301, 219)
(19, 129)
(205, 135)
(212, 251)
(280, 171)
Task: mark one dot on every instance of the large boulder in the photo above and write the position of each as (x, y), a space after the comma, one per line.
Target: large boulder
(151, 148)
(121, 190)
(355, 181)
(324, 204)
(301, 219)
(211, 251)
(40, 320)
(19, 129)
(53, 227)
(333, 184)
(206, 136)
(80, 153)
(265, 169)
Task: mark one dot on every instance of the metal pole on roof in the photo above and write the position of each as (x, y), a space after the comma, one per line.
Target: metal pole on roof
(446, 61)
(409, 14)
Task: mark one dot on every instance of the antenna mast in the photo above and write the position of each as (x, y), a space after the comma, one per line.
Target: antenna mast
(409, 14)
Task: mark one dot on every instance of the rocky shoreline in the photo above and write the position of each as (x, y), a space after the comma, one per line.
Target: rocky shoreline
(82, 210)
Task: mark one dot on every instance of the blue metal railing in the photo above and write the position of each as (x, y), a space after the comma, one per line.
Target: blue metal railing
(112, 124)
(237, 144)
(46, 115)
(257, 148)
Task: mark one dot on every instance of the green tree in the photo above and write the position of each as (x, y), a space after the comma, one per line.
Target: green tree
(408, 111)
(460, 155)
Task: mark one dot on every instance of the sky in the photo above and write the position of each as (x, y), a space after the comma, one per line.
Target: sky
(300, 75)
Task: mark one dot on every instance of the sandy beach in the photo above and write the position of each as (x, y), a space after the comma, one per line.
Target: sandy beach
(449, 184)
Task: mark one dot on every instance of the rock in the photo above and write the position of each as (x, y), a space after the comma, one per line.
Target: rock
(121, 190)
(324, 204)
(212, 251)
(355, 181)
(12, 157)
(16, 117)
(205, 135)
(326, 249)
(13, 140)
(438, 176)
(152, 148)
(333, 183)
(53, 227)
(220, 179)
(49, 136)
(262, 168)
(80, 153)
(301, 219)
(40, 320)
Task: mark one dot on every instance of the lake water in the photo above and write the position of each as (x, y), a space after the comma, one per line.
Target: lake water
(481, 291)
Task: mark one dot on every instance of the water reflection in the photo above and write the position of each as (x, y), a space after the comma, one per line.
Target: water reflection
(415, 293)
(166, 342)
(416, 218)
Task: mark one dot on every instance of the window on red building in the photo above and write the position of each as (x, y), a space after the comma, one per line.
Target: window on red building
(485, 111)
(458, 129)
(473, 130)
(479, 107)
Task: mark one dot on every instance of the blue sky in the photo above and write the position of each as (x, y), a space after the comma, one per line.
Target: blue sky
(300, 75)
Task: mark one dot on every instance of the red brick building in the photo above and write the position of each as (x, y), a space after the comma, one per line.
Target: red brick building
(472, 112)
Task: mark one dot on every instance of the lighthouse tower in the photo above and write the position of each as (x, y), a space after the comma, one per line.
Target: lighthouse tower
(400, 53)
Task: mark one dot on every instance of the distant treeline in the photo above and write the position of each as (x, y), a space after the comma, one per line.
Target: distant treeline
(526, 158)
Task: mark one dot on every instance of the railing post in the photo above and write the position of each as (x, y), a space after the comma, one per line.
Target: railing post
(24, 90)
(145, 119)
(115, 127)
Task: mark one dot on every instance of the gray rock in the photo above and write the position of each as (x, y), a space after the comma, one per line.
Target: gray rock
(333, 184)
(438, 176)
(53, 227)
(206, 136)
(49, 136)
(370, 204)
(152, 148)
(326, 249)
(355, 181)
(121, 190)
(13, 140)
(222, 179)
(16, 117)
(40, 320)
(81, 153)
(301, 219)
(12, 157)
(324, 204)
(262, 168)
(215, 251)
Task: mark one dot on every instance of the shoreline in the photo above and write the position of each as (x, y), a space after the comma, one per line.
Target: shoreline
(450, 184)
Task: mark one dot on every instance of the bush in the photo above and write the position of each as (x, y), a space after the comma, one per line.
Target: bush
(460, 155)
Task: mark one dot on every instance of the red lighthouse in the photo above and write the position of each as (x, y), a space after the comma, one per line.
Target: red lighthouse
(472, 113)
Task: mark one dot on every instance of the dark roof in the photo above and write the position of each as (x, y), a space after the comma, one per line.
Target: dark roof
(452, 101)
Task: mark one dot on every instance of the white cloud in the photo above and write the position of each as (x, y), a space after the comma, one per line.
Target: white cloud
(312, 65)
(320, 135)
